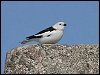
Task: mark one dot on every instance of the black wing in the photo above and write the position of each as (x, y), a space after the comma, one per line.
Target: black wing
(31, 37)
(43, 31)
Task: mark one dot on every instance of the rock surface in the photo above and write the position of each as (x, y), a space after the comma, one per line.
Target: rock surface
(51, 59)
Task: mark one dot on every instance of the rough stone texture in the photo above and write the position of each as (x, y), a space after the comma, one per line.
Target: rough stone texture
(49, 59)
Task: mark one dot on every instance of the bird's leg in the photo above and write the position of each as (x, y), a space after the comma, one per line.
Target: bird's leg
(53, 45)
(40, 45)
(50, 45)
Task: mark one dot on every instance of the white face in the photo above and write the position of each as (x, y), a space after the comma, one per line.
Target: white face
(59, 25)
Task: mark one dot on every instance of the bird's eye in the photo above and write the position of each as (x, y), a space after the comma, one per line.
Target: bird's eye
(59, 24)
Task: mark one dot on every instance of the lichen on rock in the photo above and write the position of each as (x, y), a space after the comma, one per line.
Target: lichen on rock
(59, 59)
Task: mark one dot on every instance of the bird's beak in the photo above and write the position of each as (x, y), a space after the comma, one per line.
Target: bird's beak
(64, 24)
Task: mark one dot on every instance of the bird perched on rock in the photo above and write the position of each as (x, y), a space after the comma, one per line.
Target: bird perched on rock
(50, 35)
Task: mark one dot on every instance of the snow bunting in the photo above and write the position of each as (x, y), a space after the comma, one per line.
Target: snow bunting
(50, 35)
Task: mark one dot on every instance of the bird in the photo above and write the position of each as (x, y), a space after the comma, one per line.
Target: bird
(50, 35)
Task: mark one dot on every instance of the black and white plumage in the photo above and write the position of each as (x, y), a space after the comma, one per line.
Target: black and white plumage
(49, 35)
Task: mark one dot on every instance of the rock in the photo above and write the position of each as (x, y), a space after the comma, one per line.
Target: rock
(53, 59)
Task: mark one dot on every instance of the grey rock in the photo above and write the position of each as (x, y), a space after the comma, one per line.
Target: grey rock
(53, 59)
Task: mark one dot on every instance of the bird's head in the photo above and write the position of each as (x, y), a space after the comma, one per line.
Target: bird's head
(59, 25)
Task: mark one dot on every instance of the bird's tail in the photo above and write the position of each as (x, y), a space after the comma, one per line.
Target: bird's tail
(25, 41)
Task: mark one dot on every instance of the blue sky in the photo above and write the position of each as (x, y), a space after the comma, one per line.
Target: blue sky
(20, 19)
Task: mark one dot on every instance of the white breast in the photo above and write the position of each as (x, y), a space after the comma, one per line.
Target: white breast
(54, 37)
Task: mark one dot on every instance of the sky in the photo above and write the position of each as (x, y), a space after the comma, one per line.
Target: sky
(20, 19)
